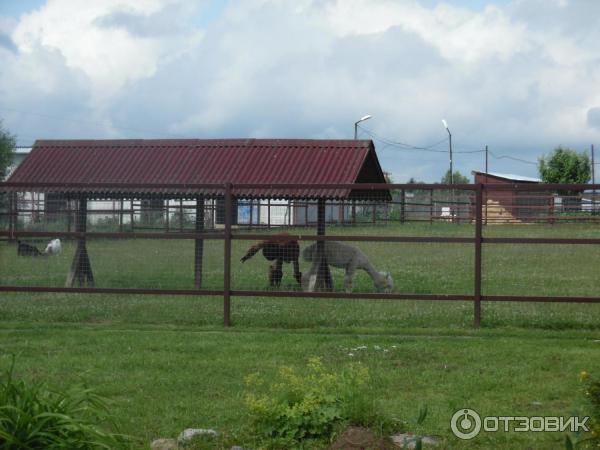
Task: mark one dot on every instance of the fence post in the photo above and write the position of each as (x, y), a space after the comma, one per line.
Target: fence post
(131, 214)
(478, 241)
(167, 221)
(306, 213)
(120, 215)
(323, 282)
(251, 212)
(81, 269)
(402, 205)
(68, 213)
(374, 212)
(199, 242)
(227, 258)
(12, 215)
(430, 206)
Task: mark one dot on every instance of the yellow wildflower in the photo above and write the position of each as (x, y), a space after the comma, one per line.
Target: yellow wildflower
(583, 375)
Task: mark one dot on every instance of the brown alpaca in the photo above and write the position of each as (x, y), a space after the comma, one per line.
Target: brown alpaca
(279, 248)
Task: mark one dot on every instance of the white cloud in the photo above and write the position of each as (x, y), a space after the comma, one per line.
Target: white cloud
(458, 34)
(111, 57)
(521, 78)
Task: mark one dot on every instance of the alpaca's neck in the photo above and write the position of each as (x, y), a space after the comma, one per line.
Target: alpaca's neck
(375, 276)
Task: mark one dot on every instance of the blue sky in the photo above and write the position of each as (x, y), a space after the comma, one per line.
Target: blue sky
(520, 76)
(15, 8)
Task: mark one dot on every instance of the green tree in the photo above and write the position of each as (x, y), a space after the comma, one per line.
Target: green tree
(566, 166)
(7, 148)
(458, 178)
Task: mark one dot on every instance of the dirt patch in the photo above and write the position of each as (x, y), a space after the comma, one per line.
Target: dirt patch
(356, 438)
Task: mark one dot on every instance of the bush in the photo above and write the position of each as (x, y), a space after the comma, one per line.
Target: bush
(34, 417)
(298, 409)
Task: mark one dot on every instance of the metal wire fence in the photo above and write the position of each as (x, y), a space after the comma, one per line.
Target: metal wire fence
(392, 241)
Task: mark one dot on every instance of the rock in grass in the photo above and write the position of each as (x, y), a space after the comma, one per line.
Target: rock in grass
(164, 444)
(187, 434)
(409, 440)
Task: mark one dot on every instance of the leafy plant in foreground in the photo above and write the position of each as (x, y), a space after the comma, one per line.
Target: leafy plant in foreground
(300, 407)
(34, 417)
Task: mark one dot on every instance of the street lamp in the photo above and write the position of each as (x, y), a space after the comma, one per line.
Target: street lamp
(362, 119)
(450, 144)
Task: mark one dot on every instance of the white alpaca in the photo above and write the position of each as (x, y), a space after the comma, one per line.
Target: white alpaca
(344, 257)
(54, 247)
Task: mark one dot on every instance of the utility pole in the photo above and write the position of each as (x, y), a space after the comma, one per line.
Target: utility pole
(451, 170)
(486, 162)
(486, 180)
(593, 182)
(593, 170)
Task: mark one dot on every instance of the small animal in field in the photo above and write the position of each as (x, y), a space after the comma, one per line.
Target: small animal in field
(24, 249)
(54, 247)
(345, 257)
(279, 248)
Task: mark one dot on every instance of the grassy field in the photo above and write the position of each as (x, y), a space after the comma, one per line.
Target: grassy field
(560, 270)
(168, 363)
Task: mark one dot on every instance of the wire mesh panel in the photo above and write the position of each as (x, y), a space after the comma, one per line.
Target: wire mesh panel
(357, 241)
(352, 245)
(63, 240)
(541, 270)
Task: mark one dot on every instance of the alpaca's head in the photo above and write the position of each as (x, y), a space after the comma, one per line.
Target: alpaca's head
(385, 283)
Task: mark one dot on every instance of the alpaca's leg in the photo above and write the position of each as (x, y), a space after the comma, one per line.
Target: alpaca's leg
(350, 270)
(276, 273)
(297, 273)
(271, 269)
(309, 278)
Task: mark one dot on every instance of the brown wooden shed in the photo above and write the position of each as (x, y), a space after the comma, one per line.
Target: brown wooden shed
(512, 206)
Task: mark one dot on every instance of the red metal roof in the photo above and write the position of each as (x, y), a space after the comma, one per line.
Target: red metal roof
(70, 165)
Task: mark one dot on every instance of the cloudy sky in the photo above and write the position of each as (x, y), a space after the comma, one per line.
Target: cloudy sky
(521, 76)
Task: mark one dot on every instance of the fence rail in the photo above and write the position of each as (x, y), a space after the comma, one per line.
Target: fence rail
(477, 207)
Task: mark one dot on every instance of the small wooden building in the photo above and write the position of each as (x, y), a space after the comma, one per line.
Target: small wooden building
(511, 206)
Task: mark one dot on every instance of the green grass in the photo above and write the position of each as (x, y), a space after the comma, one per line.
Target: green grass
(169, 364)
(511, 269)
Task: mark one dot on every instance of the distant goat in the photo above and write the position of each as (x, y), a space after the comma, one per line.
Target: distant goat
(279, 248)
(54, 247)
(24, 249)
(345, 257)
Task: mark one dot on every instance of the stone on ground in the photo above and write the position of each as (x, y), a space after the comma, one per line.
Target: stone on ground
(164, 444)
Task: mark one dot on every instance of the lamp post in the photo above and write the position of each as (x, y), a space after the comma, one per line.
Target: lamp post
(362, 119)
(451, 172)
(450, 148)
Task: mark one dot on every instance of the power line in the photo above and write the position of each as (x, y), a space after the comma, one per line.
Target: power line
(403, 144)
(406, 146)
(512, 158)
(429, 148)
(469, 151)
